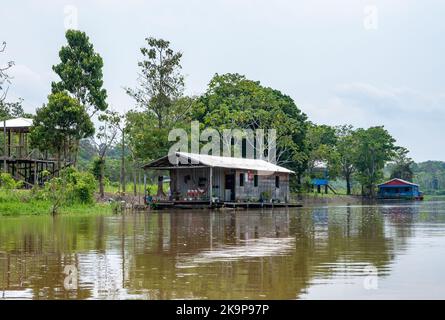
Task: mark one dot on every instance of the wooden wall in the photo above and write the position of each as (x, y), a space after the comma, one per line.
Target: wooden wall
(266, 183)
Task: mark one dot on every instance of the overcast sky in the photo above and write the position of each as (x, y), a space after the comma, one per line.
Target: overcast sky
(347, 61)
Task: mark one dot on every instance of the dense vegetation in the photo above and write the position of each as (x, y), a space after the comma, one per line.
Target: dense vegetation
(107, 148)
(430, 175)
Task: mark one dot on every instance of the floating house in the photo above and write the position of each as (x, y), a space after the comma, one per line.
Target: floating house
(399, 189)
(220, 181)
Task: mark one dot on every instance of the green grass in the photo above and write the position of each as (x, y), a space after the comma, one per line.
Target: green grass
(80, 209)
(114, 188)
(323, 195)
(21, 202)
(429, 197)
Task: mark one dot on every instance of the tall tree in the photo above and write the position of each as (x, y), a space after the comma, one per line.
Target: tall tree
(322, 140)
(347, 151)
(59, 125)
(159, 98)
(402, 166)
(80, 73)
(232, 101)
(120, 124)
(375, 147)
(146, 140)
(160, 81)
(105, 138)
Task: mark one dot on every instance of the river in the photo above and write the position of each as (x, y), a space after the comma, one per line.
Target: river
(383, 251)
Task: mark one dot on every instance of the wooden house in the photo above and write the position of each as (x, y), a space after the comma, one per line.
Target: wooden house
(206, 179)
(399, 189)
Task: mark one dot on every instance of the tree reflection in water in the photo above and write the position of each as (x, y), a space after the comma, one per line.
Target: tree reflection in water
(199, 254)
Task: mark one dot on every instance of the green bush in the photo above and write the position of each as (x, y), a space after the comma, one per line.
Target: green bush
(7, 182)
(70, 187)
(80, 185)
(265, 196)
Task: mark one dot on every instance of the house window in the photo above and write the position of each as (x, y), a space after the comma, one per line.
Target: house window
(202, 182)
(241, 179)
(406, 189)
(255, 180)
(277, 182)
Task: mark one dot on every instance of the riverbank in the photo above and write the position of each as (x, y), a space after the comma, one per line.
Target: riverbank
(312, 199)
(21, 202)
(434, 198)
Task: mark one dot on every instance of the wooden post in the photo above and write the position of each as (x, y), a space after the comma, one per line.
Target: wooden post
(35, 172)
(5, 168)
(9, 143)
(210, 185)
(122, 177)
(145, 185)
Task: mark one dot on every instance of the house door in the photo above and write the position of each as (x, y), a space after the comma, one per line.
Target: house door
(229, 192)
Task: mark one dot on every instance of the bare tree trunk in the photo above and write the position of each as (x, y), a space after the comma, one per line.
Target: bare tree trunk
(123, 163)
(135, 192)
(5, 146)
(101, 178)
(160, 192)
(76, 152)
(58, 161)
(348, 184)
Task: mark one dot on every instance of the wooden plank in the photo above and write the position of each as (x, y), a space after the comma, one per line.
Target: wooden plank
(210, 185)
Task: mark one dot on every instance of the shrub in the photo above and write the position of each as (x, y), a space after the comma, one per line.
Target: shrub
(7, 182)
(265, 196)
(70, 187)
(80, 185)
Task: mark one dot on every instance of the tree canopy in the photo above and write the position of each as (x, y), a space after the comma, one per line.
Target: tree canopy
(375, 146)
(402, 165)
(59, 124)
(160, 82)
(9, 110)
(232, 101)
(80, 72)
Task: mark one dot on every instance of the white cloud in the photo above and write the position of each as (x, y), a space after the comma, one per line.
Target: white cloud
(414, 119)
(30, 85)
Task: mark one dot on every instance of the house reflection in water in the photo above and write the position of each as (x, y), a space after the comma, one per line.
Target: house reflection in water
(200, 254)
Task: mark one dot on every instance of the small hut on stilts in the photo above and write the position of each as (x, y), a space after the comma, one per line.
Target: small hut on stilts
(19, 159)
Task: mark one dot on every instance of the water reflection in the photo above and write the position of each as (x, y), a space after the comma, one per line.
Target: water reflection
(281, 254)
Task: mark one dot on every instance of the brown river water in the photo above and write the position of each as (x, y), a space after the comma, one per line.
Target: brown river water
(387, 251)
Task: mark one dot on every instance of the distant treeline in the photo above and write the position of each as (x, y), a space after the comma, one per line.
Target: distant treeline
(430, 175)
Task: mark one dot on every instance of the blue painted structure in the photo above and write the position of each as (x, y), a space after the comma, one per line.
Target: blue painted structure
(320, 182)
(399, 189)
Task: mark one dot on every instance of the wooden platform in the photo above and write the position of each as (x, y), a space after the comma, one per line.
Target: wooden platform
(206, 205)
(261, 205)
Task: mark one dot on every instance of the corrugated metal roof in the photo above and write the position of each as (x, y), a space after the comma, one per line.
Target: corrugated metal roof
(17, 123)
(397, 182)
(235, 163)
(319, 164)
